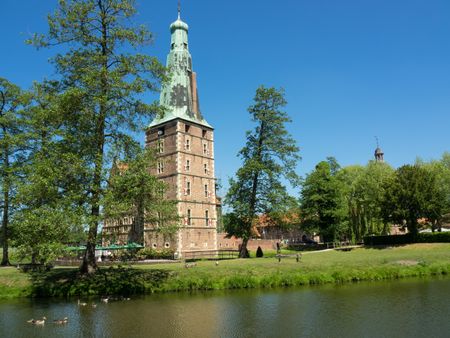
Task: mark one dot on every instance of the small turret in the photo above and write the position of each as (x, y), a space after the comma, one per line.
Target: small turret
(379, 155)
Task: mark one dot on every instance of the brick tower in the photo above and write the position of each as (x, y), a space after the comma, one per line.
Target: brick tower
(185, 153)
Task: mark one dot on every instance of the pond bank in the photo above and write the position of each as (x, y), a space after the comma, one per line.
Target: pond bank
(417, 260)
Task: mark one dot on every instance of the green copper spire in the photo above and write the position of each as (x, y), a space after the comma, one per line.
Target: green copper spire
(180, 96)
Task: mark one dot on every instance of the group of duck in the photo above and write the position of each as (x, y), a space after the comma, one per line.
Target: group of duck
(63, 321)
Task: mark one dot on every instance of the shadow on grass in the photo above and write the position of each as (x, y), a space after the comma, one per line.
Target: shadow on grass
(384, 246)
(110, 281)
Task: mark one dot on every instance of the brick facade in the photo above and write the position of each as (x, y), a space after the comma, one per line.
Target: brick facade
(185, 161)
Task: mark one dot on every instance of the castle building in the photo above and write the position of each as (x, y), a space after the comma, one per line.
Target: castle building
(184, 143)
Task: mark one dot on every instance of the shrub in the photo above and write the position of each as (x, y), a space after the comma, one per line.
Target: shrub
(436, 237)
(259, 252)
(150, 253)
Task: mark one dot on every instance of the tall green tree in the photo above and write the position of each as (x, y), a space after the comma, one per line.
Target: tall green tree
(364, 192)
(108, 81)
(133, 192)
(270, 154)
(322, 204)
(413, 193)
(12, 102)
(440, 169)
(49, 198)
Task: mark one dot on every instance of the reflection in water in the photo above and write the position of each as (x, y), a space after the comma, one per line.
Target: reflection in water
(410, 308)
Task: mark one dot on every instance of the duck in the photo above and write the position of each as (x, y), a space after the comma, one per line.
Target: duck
(37, 321)
(81, 303)
(94, 305)
(65, 320)
(105, 300)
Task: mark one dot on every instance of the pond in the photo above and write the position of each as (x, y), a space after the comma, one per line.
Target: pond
(407, 308)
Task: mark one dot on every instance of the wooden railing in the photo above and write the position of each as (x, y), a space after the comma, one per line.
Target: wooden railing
(211, 254)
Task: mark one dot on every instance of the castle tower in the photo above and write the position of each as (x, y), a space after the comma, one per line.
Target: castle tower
(185, 153)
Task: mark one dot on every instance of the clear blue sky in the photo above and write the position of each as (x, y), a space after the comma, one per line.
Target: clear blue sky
(352, 69)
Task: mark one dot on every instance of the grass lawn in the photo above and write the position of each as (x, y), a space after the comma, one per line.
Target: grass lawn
(318, 267)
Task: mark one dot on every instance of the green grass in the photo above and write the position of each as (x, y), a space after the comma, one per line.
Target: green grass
(415, 260)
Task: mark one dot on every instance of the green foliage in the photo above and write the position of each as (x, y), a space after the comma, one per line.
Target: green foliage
(12, 149)
(111, 281)
(322, 201)
(269, 155)
(413, 193)
(102, 86)
(436, 237)
(150, 253)
(133, 191)
(364, 189)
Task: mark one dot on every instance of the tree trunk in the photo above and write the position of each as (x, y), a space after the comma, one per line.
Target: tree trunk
(5, 218)
(89, 264)
(243, 252)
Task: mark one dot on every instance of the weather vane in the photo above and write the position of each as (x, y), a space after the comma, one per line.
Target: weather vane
(376, 139)
(179, 9)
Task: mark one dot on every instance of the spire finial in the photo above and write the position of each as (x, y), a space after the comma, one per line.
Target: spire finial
(179, 9)
(376, 138)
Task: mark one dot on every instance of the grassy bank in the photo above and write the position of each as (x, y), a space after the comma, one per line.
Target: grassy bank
(416, 260)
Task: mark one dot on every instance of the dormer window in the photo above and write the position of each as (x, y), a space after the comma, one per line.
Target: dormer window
(185, 45)
(172, 46)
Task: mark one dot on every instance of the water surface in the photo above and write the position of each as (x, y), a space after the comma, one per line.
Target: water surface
(408, 308)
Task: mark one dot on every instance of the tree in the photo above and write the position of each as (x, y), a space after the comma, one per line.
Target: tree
(364, 191)
(133, 191)
(12, 102)
(412, 194)
(269, 155)
(108, 82)
(49, 198)
(441, 170)
(322, 201)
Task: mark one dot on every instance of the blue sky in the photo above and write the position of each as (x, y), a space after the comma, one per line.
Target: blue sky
(351, 69)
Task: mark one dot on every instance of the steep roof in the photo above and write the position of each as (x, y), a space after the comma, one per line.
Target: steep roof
(179, 95)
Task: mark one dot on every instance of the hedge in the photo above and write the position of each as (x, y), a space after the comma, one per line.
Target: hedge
(436, 237)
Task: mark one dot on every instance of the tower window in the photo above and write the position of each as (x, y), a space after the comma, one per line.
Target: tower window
(186, 128)
(187, 167)
(205, 168)
(160, 167)
(160, 132)
(188, 216)
(206, 190)
(172, 46)
(204, 133)
(187, 144)
(187, 190)
(206, 217)
(161, 146)
(205, 149)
